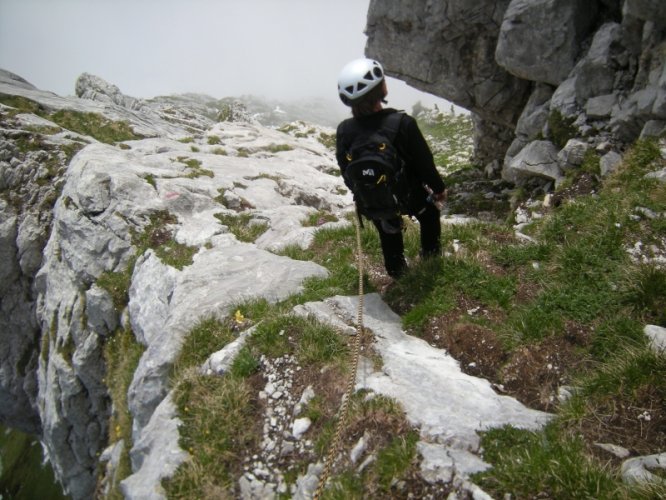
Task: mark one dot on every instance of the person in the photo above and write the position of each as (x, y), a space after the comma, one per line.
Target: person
(362, 86)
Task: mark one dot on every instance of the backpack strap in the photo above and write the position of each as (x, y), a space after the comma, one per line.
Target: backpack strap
(391, 124)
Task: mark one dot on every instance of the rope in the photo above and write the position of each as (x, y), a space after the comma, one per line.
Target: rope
(351, 382)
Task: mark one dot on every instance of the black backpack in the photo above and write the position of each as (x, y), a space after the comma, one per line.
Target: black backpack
(375, 170)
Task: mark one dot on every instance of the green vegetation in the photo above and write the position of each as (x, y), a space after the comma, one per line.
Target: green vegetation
(243, 226)
(121, 355)
(573, 293)
(327, 140)
(195, 166)
(220, 413)
(393, 441)
(449, 137)
(277, 148)
(528, 462)
(122, 351)
(92, 124)
(318, 218)
(23, 474)
(156, 236)
(22, 104)
(561, 129)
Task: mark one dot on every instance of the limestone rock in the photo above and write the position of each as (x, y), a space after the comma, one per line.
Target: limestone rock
(456, 41)
(657, 337)
(96, 89)
(156, 455)
(106, 199)
(594, 75)
(538, 158)
(572, 154)
(535, 114)
(599, 64)
(609, 163)
(538, 39)
(601, 106)
(637, 469)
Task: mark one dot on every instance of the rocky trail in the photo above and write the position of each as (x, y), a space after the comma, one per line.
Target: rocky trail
(107, 194)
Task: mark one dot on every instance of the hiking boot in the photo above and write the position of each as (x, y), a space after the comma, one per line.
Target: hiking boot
(397, 270)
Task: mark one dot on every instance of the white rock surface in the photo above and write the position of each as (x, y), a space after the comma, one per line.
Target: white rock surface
(657, 337)
(448, 406)
(637, 469)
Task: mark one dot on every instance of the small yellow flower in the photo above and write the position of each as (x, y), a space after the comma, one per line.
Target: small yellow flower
(239, 316)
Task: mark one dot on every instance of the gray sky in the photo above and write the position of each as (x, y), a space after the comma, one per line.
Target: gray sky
(281, 49)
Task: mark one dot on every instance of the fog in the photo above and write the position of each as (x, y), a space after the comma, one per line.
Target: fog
(278, 49)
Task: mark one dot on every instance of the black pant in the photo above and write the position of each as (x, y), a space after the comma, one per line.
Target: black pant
(393, 246)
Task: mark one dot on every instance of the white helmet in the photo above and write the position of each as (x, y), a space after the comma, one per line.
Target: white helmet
(358, 78)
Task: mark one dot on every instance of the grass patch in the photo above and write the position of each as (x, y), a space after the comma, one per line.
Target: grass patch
(318, 218)
(388, 436)
(91, 124)
(334, 249)
(207, 337)
(196, 170)
(561, 129)
(218, 415)
(157, 235)
(94, 125)
(547, 463)
(309, 340)
(450, 137)
(328, 140)
(117, 285)
(121, 355)
(243, 226)
(221, 414)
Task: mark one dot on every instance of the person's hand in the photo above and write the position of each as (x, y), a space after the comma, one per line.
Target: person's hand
(440, 197)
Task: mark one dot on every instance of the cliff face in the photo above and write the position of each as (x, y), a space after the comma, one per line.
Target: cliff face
(524, 67)
(106, 186)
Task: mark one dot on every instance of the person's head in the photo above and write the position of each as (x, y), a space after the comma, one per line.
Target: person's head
(361, 86)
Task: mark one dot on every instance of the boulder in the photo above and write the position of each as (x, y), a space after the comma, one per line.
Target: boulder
(539, 39)
(535, 114)
(600, 107)
(609, 163)
(653, 128)
(564, 99)
(594, 74)
(537, 159)
(572, 154)
(96, 89)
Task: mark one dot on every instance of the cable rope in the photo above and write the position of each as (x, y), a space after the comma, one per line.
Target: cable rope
(351, 382)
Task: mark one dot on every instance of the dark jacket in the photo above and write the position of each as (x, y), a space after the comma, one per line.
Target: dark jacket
(412, 147)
